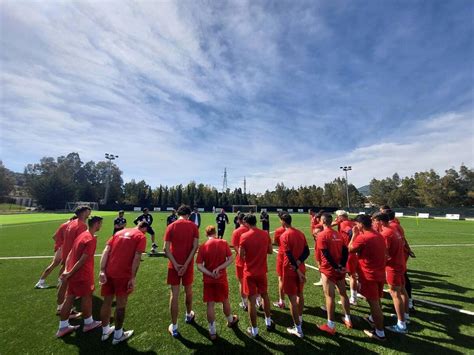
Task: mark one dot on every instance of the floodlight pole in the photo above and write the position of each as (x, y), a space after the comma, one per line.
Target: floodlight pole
(346, 169)
(109, 157)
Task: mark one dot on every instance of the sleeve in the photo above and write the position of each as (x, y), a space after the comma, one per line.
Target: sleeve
(217, 219)
(110, 242)
(288, 253)
(168, 233)
(226, 219)
(89, 248)
(199, 259)
(124, 221)
(227, 250)
(196, 232)
(116, 221)
(151, 219)
(321, 242)
(345, 255)
(135, 221)
(141, 245)
(304, 255)
(233, 240)
(359, 242)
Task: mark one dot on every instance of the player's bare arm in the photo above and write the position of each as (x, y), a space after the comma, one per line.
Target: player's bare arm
(67, 274)
(222, 266)
(103, 264)
(169, 255)
(191, 255)
(135, 264)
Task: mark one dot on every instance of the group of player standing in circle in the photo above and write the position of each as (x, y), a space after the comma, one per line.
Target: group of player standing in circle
(372, 250)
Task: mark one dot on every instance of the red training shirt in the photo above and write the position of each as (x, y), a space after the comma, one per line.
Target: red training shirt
(255, 242)
(181, 234)
(59, 235)
(85, 243)
(236, 234)
(73, 229)
(123, 247)
(277, 239)
(372, 255)
(333, 241)
(395, 244)
(213, 253)
(294, 241)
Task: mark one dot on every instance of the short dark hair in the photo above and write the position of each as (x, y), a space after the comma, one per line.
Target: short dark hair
(241, 216)
(381, 216)
(250, 219)
(93, 220)
(184, 210)
(286, 217)
(391, 214)
(73, 218)
(144, 209)
(365, 220)
(327, 218)
(121, 211)
(143, 224)
(81, 209)
(320, 213)
(385, 207)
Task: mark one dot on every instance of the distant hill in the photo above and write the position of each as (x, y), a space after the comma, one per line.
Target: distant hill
(364, 190)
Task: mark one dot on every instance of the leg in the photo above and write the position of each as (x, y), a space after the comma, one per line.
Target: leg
(252, 309)
(328, 287)
(353, 286)
(120, 311)
(341, 287)
(106, 310)
(405, 299)
(174, 306)
(226, 308)
(377, 314)
(211, 314)
(188, 289)
(86, 306)
(266, 305)
(281, 293)
(62, 293)
(300, 304)
(294, 309)
(66, 308)
(56, 261)
(152, 238)
(395, 292)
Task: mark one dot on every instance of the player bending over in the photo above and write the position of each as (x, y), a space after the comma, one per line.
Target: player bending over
(58, 238)
(239, 263)
(370, 246)
(79, 275)
(213, 258)
(253, 249)
(181, 242)
(296, 251)
(394, 270)
(332, 253)
(118, 270)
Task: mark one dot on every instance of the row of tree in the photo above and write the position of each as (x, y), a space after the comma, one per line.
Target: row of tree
(426, 189)
(53, 182)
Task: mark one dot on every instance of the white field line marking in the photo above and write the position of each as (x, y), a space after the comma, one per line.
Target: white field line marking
(434, 245)
(32, 257)
(464, 311)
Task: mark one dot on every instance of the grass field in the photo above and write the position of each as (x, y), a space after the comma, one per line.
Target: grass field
(439, 274)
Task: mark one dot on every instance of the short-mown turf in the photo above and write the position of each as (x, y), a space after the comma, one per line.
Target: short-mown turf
(439, 274)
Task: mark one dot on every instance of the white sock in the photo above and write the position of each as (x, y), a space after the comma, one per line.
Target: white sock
(212, 328)
(41, 281)
(401, 324)
(118, 333)
(244, 300)
(380, 333)
(230, 318)
(88, 321)
(347, 317)
(298, 328)
(254, 331)
(106, 329)
(301, 319)
(331, 324)
(371, 319)
(410, 303)
(407, 316)
(281, 301)
(268, 321)
(58, 308)
(354, 294)
(175, 326)
(63, 323)
(190, 314)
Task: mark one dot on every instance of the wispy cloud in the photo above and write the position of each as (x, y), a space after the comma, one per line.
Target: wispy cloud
(273, 91)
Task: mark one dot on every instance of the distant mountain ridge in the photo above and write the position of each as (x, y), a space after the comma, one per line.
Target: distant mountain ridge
(364, 190)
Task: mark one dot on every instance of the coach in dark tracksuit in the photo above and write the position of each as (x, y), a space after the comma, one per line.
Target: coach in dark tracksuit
(195, 217)
(265, 219)
(221, 221)
(148, 218)
(119, 222)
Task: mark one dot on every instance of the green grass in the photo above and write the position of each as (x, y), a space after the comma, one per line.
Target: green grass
(441, 275)
(11, 207)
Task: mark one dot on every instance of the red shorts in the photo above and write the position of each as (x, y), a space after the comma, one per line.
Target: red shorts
(255, 285)
(187, 279)
(216, 292)
(292, 284)
(79, 288)
(115, 287)
(334, 276)
(239, 272)
(279, 265)
(371, 290)
(395, 278)
(352, 263)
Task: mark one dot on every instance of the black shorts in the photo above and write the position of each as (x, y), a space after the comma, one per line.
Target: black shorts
(220, 230)
(150, 230)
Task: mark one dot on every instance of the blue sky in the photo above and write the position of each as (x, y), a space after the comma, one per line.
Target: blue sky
(274, 91)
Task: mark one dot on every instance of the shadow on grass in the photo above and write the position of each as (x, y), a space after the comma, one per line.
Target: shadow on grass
(91, 343)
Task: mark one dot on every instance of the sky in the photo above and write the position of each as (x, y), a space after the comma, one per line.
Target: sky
(276, 91)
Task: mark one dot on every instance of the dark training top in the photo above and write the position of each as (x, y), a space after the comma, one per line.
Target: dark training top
(144, 217)
(222, 219)
(171, 218)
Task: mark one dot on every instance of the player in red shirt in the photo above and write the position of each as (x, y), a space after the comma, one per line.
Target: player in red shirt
(332, 253)
(279, 264)
(394, 270)
(79, 274)
(73, 229)
(181, 243)
(370, 246)
(118, 270)
(58, 238)
(213, 258)
(295, 252)
(253, 249)
(345, 225)
(316, 227)
(239, 263)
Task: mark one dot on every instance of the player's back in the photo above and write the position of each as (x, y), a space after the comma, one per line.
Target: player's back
(295, 241)
(73, 230)
(256, 243)
(181, 235)
(213, 253)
